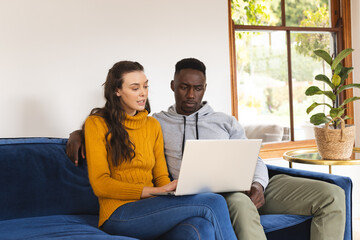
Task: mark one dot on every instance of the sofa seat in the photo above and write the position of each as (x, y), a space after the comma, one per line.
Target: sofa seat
(85, 227)
(275, 222)
(55, 227)
(280, 226)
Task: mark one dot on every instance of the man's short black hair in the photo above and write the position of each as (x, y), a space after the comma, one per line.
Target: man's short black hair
(190, 63)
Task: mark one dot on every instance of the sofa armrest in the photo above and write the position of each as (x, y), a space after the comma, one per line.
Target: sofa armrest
(344, 182)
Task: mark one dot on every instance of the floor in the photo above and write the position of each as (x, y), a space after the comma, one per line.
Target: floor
(350, 171)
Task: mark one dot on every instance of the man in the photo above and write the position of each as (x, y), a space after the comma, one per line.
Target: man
(191, 118)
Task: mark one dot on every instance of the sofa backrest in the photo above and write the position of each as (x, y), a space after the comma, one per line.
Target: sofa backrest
(38, 179)
(267, 132)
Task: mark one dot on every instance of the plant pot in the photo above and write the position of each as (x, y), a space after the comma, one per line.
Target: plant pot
(335, 144)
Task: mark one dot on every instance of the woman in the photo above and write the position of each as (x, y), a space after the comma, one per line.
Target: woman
(126, 165)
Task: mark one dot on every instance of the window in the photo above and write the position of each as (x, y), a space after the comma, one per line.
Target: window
(272, 44)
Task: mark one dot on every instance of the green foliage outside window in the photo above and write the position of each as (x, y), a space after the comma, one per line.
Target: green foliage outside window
(267, 60)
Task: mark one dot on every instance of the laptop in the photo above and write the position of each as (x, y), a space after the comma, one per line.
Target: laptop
(217, 166)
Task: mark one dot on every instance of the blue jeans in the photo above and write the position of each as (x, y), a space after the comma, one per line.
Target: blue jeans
(194, 228)
(166, 216)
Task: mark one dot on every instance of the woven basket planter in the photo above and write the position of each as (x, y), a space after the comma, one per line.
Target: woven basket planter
(335, 144)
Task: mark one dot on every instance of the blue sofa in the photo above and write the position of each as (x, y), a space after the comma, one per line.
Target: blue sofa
(44, 196)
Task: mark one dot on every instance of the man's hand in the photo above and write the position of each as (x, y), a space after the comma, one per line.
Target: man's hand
(73, 145)
(256, 194)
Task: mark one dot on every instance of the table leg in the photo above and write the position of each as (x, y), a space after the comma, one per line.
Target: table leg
(290, 164)
(330, 169)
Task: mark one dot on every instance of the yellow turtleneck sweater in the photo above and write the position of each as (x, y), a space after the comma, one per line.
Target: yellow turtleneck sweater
(115, 186)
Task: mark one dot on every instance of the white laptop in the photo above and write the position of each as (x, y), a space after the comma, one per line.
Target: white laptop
(217, 166)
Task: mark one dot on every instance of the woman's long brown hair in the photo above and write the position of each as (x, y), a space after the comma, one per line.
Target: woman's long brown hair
(117, 138)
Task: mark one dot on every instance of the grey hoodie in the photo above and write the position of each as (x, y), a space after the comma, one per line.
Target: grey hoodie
(203, 124)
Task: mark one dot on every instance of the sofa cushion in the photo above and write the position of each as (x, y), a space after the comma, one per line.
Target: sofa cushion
(55, 227)
(40, 180)
(280, 227)
(274, 222)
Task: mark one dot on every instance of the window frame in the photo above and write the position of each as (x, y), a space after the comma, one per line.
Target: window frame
(340, 23)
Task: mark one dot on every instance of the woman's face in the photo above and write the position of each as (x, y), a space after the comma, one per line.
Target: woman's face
(134, 92)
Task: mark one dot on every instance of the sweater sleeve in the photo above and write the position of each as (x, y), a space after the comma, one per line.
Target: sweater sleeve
(261, 173)
(160, 170)
(101, 181)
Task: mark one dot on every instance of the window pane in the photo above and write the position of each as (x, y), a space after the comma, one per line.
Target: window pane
(256, 12)
(262, 81)
(307, 13)
(305, 66)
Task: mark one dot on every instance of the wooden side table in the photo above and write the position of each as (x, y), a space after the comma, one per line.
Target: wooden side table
(312, 156)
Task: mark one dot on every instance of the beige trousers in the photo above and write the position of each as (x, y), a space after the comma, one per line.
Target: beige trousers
(291, 195)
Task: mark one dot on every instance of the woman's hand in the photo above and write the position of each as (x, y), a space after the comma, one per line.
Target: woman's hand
(147, 191)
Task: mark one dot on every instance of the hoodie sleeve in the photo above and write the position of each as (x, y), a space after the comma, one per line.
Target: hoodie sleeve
(261, 173)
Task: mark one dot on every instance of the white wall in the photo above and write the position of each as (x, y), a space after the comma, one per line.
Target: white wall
(354, 172)
(355, 33)
(55, 54)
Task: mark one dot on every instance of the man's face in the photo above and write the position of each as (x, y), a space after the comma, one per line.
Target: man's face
(189, 86)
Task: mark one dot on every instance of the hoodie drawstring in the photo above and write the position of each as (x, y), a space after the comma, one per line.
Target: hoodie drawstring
(196, 125)
(196, 128)
(183, 142)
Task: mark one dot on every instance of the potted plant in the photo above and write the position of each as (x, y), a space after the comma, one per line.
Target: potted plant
(334, 139)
